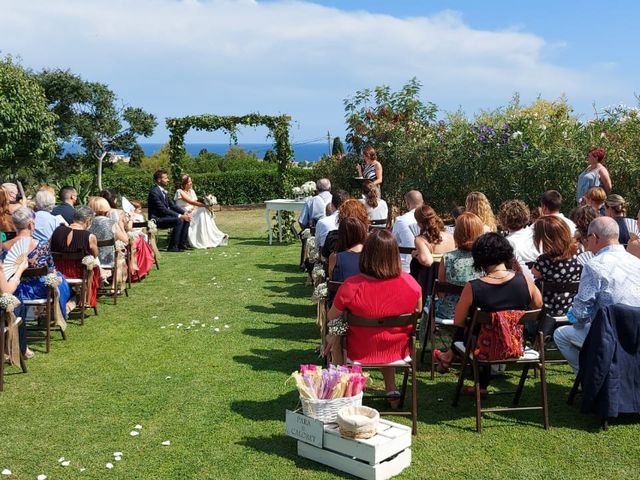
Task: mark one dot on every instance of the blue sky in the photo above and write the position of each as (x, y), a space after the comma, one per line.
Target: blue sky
(175, 58)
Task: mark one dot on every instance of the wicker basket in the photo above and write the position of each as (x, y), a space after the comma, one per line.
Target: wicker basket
(358, 422)
(327, 410)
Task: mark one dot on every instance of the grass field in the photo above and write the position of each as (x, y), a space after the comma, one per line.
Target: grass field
(220, 396)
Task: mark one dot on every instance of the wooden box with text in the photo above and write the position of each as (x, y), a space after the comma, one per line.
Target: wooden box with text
(377, 458)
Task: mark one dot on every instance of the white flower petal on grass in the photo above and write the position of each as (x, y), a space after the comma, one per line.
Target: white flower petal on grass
(226, 326)
(42, 476)
(216, 329)
(216, 318)
(166, 443)
(203, 325)
(171, 324)
(109, 465)
(138, 427)
(61, 459)
(117, 454)
(66, 463)
(162, 327)
(167, 377)
(134, 433)
(6, 472)
(248, 279)
(82, 469)
(154, 316)
(117, 459)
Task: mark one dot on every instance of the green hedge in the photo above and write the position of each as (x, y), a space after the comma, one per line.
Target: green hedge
(230, 188)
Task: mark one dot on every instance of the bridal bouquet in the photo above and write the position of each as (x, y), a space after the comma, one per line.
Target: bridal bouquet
(317, 383)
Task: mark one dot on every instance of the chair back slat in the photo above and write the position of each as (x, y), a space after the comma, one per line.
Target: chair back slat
(394, 321)
(446, 288)
(547, 287)
(35, 272)
(107, 243)
(68, 255)
(332, 287)
(406, 250)
(144, 224)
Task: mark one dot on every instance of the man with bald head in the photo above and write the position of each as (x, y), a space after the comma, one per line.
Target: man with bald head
(611, 277)
(406, 228)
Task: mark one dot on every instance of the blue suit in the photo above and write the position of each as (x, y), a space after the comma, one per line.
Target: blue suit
(164, 211)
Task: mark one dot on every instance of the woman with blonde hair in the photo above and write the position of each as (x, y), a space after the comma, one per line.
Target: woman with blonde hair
(616, 208)
(477, 203)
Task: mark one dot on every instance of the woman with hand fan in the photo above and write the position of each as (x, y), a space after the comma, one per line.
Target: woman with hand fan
(634, 244)
(37, 254)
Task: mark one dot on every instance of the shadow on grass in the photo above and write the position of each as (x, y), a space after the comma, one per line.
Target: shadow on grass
(288, 331)
(286, 361)
(279, 308)
(270, 409)
(286, 447)
(280, 267)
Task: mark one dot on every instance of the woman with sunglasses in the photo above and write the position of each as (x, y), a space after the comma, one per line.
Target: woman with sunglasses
(372, 167)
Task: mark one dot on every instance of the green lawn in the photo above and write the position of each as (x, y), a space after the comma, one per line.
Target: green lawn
(220, 396)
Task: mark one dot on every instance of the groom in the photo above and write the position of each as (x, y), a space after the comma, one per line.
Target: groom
(166, 214)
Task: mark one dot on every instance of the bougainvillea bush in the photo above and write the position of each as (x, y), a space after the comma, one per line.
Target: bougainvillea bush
(517, 151)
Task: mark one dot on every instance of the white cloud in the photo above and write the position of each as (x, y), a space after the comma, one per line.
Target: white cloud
(186, 57)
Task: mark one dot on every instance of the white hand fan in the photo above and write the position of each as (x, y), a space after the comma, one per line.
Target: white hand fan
(16, 255)
(632, 226)
(584, 257)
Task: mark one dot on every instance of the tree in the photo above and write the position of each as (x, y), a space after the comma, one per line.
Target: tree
(27, 139)
(136, 156)
(87, 113)
(270, 156)
(337, 149)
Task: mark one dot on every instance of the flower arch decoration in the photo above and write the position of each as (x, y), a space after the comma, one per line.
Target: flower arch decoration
(278, 130)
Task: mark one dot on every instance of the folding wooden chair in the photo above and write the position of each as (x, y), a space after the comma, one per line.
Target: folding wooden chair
(530, 358)
(408, 364)
(376, 224)
(547, 288)
(3, 341)
(77, 283)
(44, 302)
(113, 289)
(436, 324)
(145, 225)
(406, 250)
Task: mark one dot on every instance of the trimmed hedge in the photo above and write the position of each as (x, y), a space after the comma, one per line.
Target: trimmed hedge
(230, 188)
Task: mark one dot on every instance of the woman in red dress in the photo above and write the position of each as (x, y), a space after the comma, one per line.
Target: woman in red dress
(381, 289)
(73, 239)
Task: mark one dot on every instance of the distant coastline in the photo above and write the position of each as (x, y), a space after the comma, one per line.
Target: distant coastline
(309, 152)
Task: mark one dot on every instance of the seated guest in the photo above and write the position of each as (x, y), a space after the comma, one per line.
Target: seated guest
(315, 207)
(616, 208)
(550, 204)
(558, 263)
(456, 268)
(13, 195)
(344, 262)
(10, 286)
(330, 222)
(6, 222)
(611, 277)
(105, 228)
(39, 256)
(376, 207)
(68, 199)
(142, 257)
(45, 221)
(406, 227)
(75, 238)
(595, 198)
(116, 214)
(350, 208)
(166, 214)
(514, 217)
(582, 216)
(455, 213)
(634, 243)
(433, 239)
(499, 289)
(381, 289)
(477, 203)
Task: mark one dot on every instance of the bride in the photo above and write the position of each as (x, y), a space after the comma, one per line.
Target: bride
(203, 232)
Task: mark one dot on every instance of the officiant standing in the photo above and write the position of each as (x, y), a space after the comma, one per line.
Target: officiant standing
(166, 214)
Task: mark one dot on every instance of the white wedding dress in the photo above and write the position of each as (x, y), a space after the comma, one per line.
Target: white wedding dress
(203, 231)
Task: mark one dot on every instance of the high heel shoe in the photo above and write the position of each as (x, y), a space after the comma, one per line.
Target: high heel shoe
(443, 365)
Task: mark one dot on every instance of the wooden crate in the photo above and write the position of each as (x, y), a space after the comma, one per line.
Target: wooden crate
(377, 458)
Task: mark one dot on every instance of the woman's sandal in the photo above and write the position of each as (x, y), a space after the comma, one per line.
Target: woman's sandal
(443, 365)
(393, 397)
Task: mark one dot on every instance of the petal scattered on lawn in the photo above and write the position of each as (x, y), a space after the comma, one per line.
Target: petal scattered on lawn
(216, 329)
(166, 443)
(6, 472)
(162, 327)
(226, 326)
(117, 459)
(216, 318)
(82, 469)
(134, 433)
(109, 465)
(66, 463)
(138, 427)
(42, 476)
(117, 454)
(61, 459)
(154, 316)
(248, 279)
(167, 377)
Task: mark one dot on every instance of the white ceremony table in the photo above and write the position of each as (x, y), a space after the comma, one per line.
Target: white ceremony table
(281, 205)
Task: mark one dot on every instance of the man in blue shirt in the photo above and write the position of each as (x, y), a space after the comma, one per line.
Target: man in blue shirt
(315, 208)
(612, 276)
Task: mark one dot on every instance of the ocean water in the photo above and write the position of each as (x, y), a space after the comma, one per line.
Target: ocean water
(310, 152)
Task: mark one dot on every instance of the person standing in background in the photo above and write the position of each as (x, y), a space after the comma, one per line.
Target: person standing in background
(595, 175)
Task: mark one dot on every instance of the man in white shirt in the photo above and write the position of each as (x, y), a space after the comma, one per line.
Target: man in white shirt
(406, 228)
(514, 215)
(330, 223)
(315, 208)
(550, 203)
